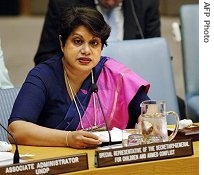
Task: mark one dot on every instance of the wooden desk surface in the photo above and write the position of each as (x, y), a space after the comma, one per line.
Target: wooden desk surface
(175, 166)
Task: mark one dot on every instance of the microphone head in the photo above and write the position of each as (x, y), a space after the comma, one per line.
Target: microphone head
(94, 88)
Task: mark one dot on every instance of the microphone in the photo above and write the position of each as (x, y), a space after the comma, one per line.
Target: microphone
(94, 89)
(16, 156)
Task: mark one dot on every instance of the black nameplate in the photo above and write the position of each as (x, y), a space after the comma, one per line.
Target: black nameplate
(48, 166)
(118, 155)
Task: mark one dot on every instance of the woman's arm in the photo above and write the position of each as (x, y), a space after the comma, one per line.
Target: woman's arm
(27, 133)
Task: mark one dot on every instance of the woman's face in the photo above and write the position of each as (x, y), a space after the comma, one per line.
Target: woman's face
(82, 50)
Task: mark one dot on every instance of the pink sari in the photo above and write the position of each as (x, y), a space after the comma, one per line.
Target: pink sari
(117, 85)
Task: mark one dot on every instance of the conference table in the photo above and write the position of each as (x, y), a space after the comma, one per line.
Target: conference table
(175, 166)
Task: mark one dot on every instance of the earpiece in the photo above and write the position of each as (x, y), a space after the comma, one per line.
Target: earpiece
(60, 37)
(60, 41)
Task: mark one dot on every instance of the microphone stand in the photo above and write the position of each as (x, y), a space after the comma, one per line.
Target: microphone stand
(16, 156)
(95, 90)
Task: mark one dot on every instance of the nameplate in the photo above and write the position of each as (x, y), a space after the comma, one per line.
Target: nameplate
(48, 166)
(118, 155)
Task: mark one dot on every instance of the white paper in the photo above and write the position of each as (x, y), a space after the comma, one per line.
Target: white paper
(6, 158)
(185, 123)
(116, 135)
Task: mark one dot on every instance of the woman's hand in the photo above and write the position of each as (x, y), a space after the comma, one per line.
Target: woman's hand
(82, 139)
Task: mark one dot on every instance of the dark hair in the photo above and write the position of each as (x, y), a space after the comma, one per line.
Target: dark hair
(73, 17)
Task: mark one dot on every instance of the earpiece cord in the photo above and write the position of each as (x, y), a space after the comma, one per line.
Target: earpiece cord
(76, 100)
(136, 19)
(72, 93)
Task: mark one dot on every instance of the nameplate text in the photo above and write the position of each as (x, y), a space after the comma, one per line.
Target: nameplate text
(122, 155)
(48, 166)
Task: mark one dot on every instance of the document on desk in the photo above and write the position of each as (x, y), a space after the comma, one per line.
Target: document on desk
(116, 135)
(6, 158)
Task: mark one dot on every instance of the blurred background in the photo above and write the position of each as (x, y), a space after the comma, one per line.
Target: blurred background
(21, 23)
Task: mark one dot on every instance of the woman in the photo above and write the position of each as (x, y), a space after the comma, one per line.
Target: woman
(59, 102)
